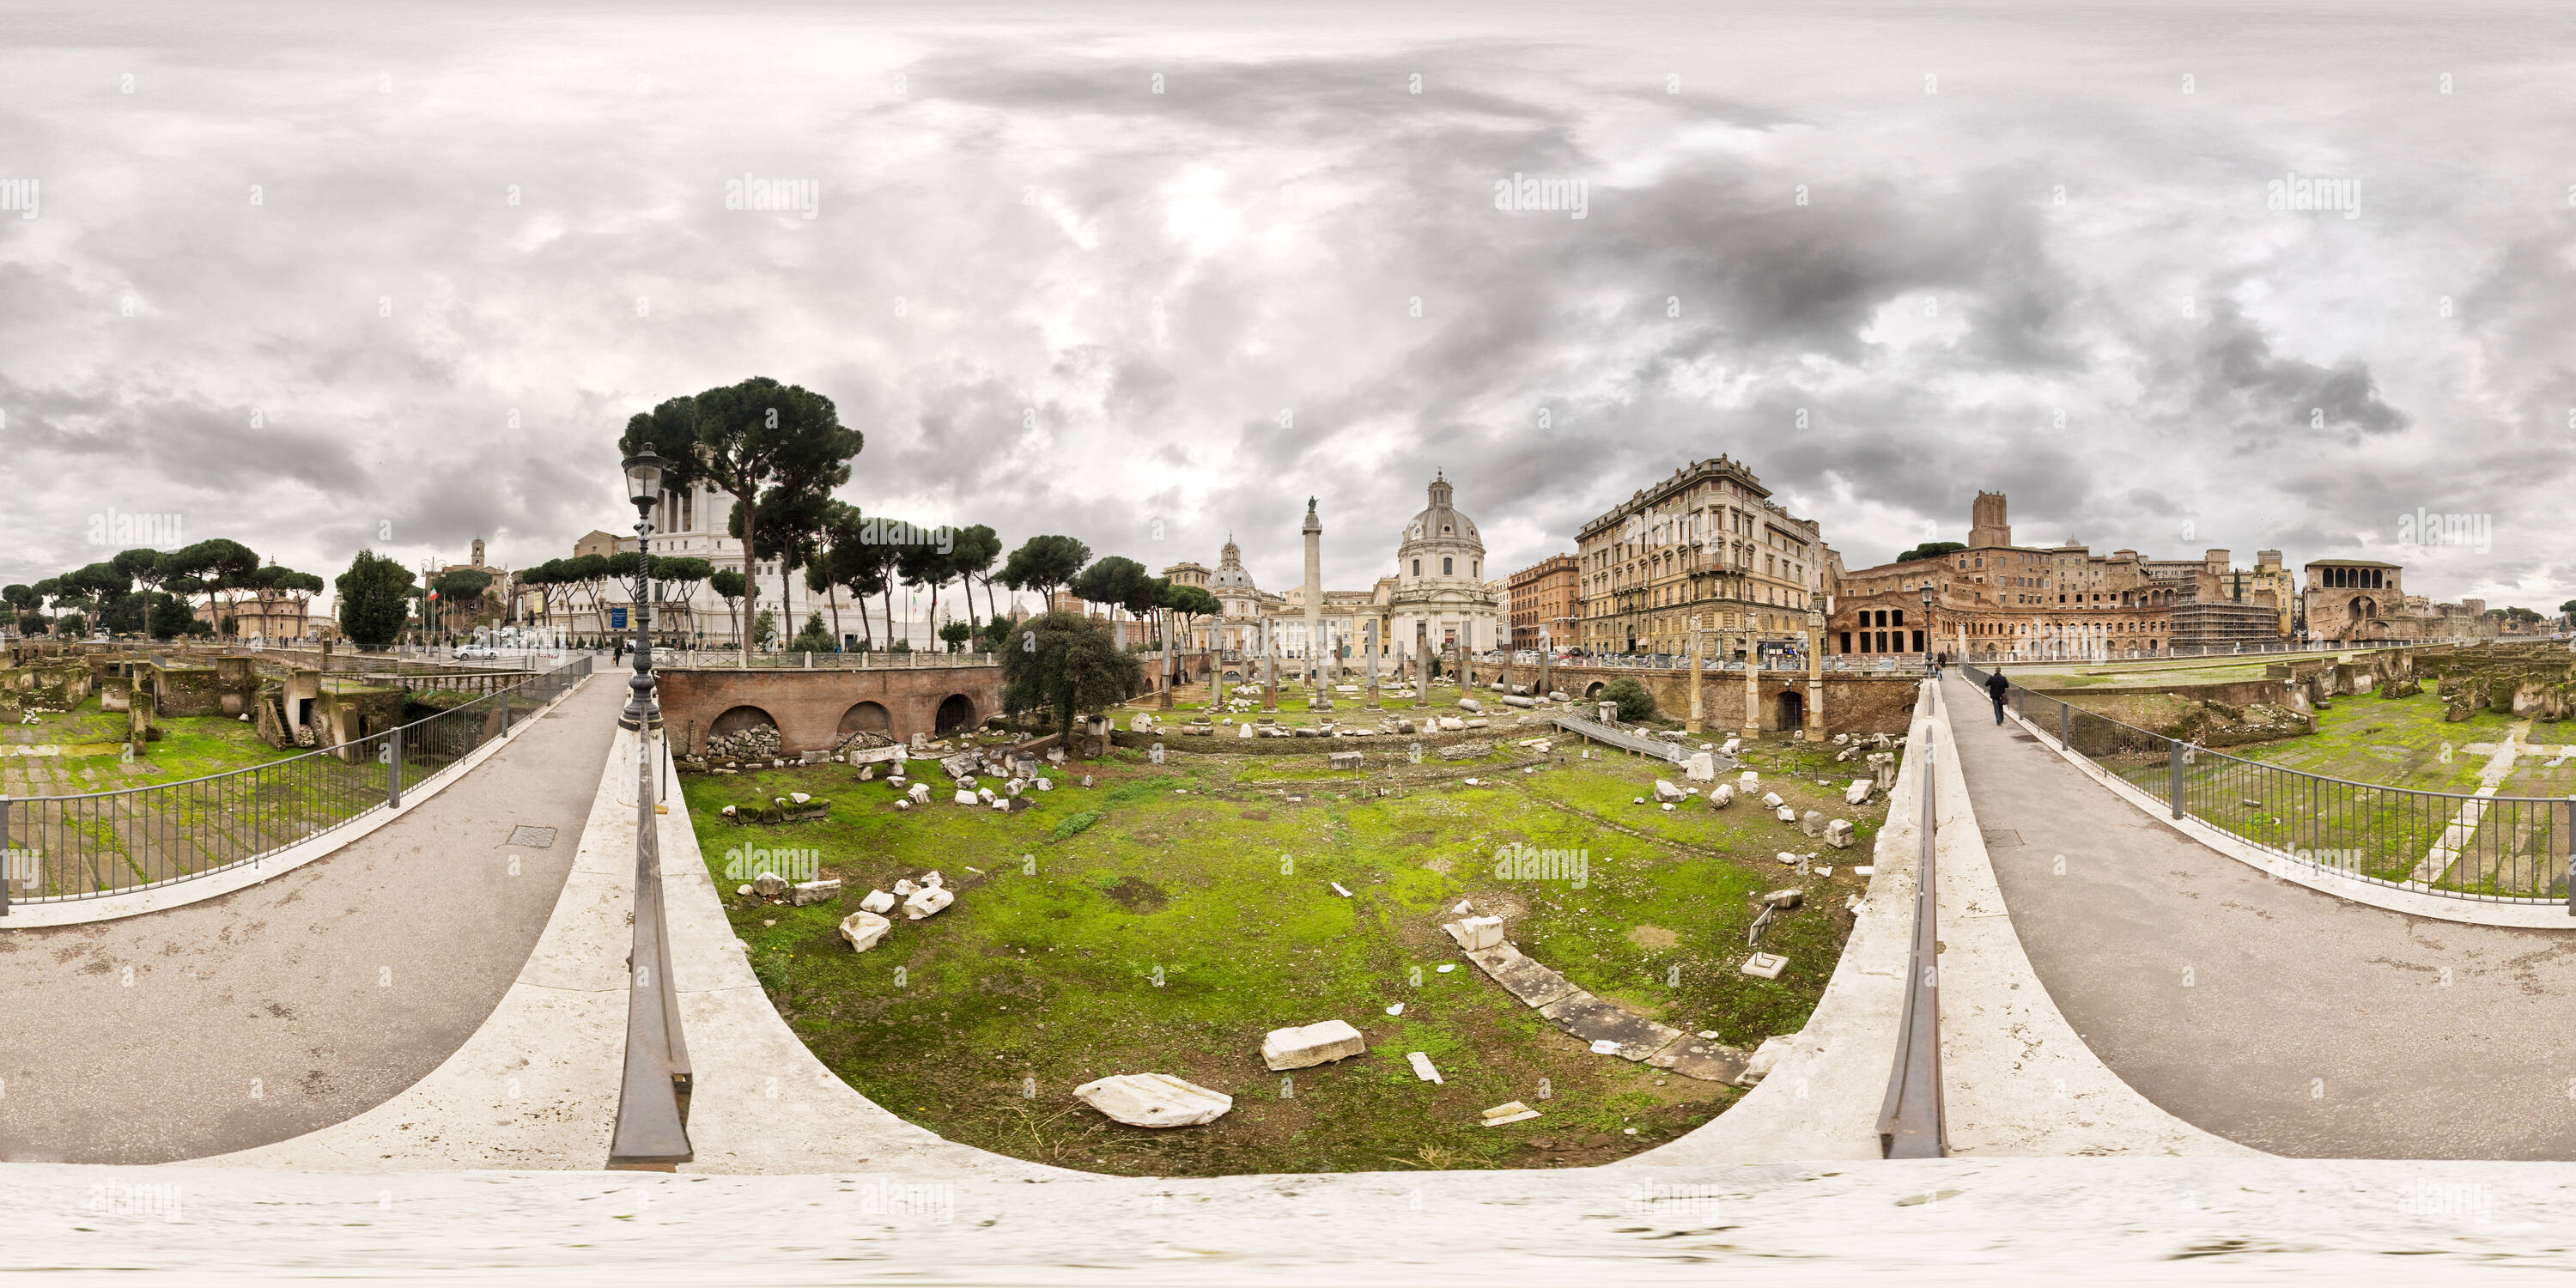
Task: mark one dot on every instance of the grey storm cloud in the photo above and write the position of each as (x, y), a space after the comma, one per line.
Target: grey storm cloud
(1057, 301)
(2238, 370)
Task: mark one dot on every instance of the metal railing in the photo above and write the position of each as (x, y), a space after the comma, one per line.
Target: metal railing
(1912, 1122)
(680, 659)
(2501, 849)
(1659, 748)
(652, 1132)
(102, 843)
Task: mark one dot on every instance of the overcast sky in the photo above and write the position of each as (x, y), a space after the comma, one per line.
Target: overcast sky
(1056, 300)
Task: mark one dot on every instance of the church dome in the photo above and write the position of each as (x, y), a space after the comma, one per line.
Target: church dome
(1440, 525)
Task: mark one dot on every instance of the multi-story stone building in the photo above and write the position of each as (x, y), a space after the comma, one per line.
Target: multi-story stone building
(1997, 600)
(2364, 601)
(1544, 595)
(1709, 543)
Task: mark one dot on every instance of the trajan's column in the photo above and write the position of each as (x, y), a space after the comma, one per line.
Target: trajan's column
(1314, 530)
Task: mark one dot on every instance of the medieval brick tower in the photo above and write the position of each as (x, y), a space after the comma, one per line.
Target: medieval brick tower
(1987, 526)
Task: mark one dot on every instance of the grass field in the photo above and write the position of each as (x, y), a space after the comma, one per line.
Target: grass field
(1166, 919)
(2509, 848)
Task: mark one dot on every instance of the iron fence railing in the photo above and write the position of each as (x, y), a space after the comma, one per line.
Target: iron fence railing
(670, 659)
(61, 848)
(2510, 849)
(1912, 1122)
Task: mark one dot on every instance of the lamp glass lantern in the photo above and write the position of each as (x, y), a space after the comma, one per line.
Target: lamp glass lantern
(644, 478)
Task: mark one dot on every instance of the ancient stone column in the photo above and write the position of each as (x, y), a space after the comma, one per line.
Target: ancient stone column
(1543, 664)
(1370, 629)
(1314, 531)
(1815, 682)
(1752, 687)
(1171, 673)
(1698, 715)
(1421, 663)
(1269, 669)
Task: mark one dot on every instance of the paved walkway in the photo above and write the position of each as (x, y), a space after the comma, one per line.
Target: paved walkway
(2277, 1016)
(305, 999)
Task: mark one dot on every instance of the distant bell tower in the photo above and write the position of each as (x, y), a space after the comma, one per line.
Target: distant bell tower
(1987, 526)
(478, 552)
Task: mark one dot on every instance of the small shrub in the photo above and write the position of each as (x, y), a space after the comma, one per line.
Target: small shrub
(1634, 702)
(1075, 825)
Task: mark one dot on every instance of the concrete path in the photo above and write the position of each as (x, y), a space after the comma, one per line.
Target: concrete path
(2280, 1017)
(305, 999)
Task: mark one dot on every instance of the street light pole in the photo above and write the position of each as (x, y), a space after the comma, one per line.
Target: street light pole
(643, 487)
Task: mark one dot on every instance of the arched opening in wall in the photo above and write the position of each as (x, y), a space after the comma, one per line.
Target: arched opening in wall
(743, 731)
(955, 713)
(866, 717)
(739, 719)
(1234, 677)
(1793, 710)
(1593, 690)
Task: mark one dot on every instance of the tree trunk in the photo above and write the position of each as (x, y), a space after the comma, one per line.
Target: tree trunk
(750, 580)
(832, 593)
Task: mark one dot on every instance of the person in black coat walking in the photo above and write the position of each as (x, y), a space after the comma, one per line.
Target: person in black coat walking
(1996, 687)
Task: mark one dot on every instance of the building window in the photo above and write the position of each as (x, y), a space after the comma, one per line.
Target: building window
(1417, 567)
(1448, 567)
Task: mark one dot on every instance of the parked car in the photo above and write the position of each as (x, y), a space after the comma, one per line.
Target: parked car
(473, 652)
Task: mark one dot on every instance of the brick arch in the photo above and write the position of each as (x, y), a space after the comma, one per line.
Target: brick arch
(737, 719)
(871, 717)
(956, 712)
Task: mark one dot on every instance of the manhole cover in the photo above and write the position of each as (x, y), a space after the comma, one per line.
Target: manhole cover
(534, 838)
(2002, 837)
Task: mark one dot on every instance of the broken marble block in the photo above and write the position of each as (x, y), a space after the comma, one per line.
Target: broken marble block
(1046, 784)
(927, 900)
(1765, 1058)
(1508, 1113)
(1665, 792)
(920, 793)
(932, 878)
(1154, 1100)
(1764, 965)
(1721, 796)
(1771, 800)
(1858, 792)
(1839, 834)
(969, 798)
(1476, 934)
(817, 891)
(1748, 781)
(1347, 759)
(1785, 898)
(769, 885)
(1812, 822)
(863, 930)
(1882, 766)
(878, 901)
(1700, 767)
(1312, 1044)
(1788, 813)
(1452, 724)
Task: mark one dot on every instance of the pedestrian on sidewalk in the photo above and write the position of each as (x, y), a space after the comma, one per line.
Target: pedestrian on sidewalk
(1996, 687)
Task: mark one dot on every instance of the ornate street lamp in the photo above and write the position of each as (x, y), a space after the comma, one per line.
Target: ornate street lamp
(1931, 637)
(644, 488)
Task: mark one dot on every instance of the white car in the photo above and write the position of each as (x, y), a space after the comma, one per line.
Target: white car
(467, 652)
